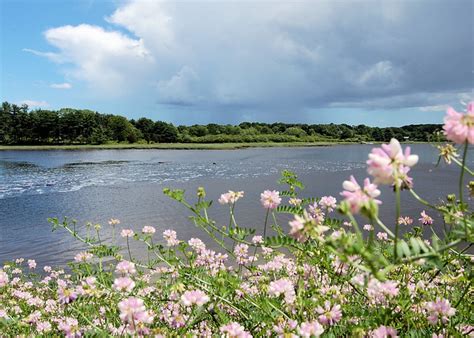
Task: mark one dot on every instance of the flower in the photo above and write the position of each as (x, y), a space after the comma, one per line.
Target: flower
(381, 292)
(368, 227)
(257, 239)
(194, 297)
(389, 164)
(83, 257)
(283, 286)
(3, 278)
(270, 199)
(383, 236)
(384, 332)
(125, 267)
(306, 226)
(234, 330)
(70, 326)
(32, 264)
(127, 233)
(425, 219)
(439, 310)
(459, 127)
(149, 230)
(66, 295)
(405, 220)
(133, 312)
(358, 197)
(231, 197)
(124, 284)
(295, 201)
(170, 237)
(114, 221)
(328, 203)
(329, 315)
(310, 329)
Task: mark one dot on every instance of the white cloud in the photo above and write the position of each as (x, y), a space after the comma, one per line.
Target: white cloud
(439, 107)
(34, 104)
(64, 85)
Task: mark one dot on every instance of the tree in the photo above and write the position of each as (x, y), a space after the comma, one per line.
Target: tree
(165, 132)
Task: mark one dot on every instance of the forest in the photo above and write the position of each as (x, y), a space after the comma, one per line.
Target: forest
(21, 126)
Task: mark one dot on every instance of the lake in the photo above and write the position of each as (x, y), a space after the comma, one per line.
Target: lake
(96, 185)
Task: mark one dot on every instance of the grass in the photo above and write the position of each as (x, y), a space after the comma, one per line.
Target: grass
(203, 146)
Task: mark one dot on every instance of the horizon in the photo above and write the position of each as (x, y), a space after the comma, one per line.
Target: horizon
(387, 64)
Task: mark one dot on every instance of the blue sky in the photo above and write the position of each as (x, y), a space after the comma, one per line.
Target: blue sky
(374, 62)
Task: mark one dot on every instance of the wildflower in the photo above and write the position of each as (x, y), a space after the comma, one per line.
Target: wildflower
(389, 164)
(241, 252)
(425, 219)
(70, 326)
(231, 197)
(170, 237)
(368, 227)
(194, 297)
(133, 312)
(282, 286)
(257, 239)
(304, 227)
(384, 332)
(328, 203)
(358, 197)
(149, 230)
(310, 329)
(382, 236)
(405, 220)
(381, 292)
(3, 278)
(66, 295)
(114, 221)
(32, 264)
(448, 152)
(127, 233)
(83, 257)
(439, 310)
(459, 127)
(270, 199)
(43, 327)
(329, 315)
(124, 284)
(295, 201)
(197, 244)
(125, 267)
(234, 330)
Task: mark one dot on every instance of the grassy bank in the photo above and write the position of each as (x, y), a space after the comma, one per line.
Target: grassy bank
(207, 146)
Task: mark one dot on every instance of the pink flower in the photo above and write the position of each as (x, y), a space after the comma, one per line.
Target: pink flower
(70, 327)
(197, 244)
(83, 257)
(32, 264)
(125, 268)
(295, 201)
(382, 236)
(257, 239)
(389, 164)
(114, 221)
(405, 220)
(306, 226)
(234, 330)
(328, 203)
(359, 198)
(368, 227)
(329, 315)
(197, 297)
(381, 292)
(231, 197)
(459, 127)
(384, 332)
(149, 230)
(133, 312)
(170, 237)
(66, 295)
(127, 233)
(270, 199)
(283, 287)
(124, 284)
(425, 219)
(3, 278)
(439, 310)
(310, 329)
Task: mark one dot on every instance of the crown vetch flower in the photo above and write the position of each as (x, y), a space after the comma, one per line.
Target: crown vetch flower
(425, 219)
(124, 284)
(283, 286)
(358, 197)
(439, 310)
(384, 332)
(307, 226)
(310, 329)
(270, 199)
(329, 315)
(459, 127)
(3, 278)
(133, 312)
(234, 330)
(197, 297)
(127, 233)
(231, 197)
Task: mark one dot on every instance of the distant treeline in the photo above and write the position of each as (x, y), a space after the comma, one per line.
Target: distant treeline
(19, 125)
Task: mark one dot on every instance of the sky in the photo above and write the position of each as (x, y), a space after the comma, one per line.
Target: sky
(380, 63)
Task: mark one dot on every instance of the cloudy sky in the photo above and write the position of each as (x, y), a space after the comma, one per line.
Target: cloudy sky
(374, 62)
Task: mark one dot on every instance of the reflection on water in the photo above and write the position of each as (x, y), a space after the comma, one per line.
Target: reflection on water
(97, 185)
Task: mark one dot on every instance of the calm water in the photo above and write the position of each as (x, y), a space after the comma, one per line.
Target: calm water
(96, 185)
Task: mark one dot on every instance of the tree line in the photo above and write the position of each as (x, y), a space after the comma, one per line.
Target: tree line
(19, 125)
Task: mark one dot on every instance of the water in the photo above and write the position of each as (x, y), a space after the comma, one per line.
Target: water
(96, 185)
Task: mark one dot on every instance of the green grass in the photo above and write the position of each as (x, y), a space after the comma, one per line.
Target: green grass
(210, 146)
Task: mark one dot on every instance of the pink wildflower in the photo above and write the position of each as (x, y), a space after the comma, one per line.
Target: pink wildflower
(149, 230)
(234, 330)
(134, 312)
(459, 127)
(283, 287)
(231, 197)
(368, 227)
(197, 244)
(124, 284)
(329, 315)
(389, 164)
(305, 226)
(66, 295)
(405, 220)
(425, 219)
(439, 310)
(270, 199)
(70, 327)
(114, 221)
(381, 292)
(3, 278)
(125, 268)
(384, 332)
(83, 257)
(257, 239)
(310, 329)
(328, 203)
(358, 197)
(127, 233)
(382, 236)
(32, 264)
(295, 201)
(197, 297)
(170, 237)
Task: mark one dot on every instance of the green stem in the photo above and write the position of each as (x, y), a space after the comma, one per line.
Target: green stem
(384, 227)
(265, 226)
(128, 248)
(397, 194)
(461, 177)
